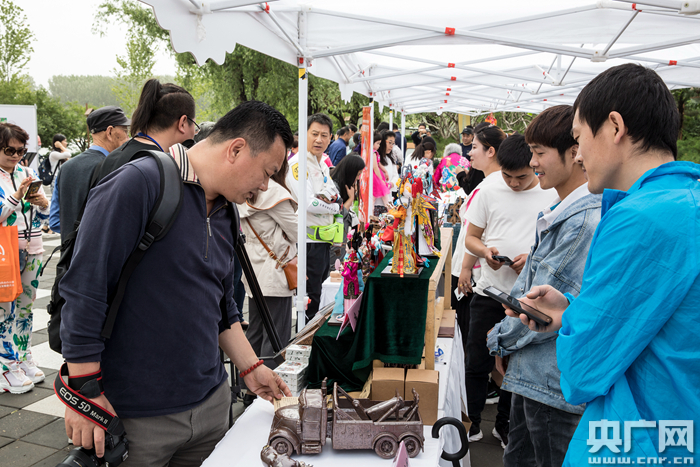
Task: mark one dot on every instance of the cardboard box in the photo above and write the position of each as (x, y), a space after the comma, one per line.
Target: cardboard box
(447, 325)
(385, 383)
(426, 383)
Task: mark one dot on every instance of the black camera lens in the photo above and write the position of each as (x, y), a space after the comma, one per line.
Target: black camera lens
(81, 457)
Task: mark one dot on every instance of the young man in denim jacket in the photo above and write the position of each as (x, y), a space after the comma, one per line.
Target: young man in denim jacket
(541, 421)
(628, 344)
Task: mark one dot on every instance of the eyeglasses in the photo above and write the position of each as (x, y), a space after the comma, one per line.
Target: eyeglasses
(195, 124)
(10, 151)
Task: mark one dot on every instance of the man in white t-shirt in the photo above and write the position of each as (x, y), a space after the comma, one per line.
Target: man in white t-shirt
(501, 224)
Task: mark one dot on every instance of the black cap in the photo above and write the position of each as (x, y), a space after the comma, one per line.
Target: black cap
(468, 130)
(103, 117)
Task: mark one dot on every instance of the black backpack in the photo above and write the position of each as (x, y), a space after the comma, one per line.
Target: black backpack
(44, 170)
(160, 220)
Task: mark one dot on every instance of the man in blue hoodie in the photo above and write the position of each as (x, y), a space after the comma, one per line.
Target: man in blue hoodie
(541, 421)
(628, 344)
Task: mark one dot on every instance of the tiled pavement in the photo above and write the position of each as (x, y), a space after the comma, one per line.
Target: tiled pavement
(32, 431)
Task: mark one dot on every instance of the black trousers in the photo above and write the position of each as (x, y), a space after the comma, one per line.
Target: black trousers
(484, 314)
(539, 434)
(281, 313)
(318, 268)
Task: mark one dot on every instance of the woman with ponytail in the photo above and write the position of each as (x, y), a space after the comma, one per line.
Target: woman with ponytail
(164, 118)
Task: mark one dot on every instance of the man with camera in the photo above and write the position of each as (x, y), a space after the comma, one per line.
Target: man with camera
(160, 371)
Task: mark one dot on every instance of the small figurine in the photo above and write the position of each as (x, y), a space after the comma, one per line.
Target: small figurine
(271, 458)
(404, 261)
(351, 283)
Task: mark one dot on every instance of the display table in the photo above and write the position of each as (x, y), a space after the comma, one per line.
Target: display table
(242, 444)
(391, 328)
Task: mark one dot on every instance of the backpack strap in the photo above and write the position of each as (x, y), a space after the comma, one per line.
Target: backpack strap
(159, 223)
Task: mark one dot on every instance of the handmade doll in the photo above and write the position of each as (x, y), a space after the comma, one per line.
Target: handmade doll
(404, 261)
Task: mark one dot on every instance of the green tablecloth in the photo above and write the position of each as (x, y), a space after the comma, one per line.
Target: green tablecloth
(390, 328)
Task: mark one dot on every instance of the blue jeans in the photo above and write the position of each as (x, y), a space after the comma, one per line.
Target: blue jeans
(539, 434)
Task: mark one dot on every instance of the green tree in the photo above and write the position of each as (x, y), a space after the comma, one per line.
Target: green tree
(16, 39)
(134, 69)
(95, 89)
(246, 74)
(53, 116)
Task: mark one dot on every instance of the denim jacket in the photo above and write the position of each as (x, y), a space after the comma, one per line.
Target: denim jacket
(558, 260)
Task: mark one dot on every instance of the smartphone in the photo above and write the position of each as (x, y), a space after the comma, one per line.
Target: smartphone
(519, 307)
(503, 259)
(34, 188)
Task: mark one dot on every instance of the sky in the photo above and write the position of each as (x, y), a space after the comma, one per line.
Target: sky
(65, 44)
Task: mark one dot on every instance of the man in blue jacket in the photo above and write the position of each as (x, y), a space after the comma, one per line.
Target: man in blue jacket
(628, 344)
(161, 369)
(339, 148)
(541, 421)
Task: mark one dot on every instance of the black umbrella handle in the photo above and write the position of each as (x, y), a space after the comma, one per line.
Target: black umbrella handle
(456, 457)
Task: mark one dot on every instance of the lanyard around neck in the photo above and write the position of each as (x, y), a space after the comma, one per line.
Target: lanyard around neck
(141, 134)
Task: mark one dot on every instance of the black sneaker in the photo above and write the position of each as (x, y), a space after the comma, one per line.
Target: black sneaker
(500, 432)
(475, 433)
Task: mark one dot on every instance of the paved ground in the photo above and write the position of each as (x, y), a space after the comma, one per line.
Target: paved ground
(32, 431)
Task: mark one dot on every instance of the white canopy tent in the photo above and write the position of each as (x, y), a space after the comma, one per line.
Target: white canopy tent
(447, 55)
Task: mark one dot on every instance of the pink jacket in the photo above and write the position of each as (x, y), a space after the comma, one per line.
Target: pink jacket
(453, 159)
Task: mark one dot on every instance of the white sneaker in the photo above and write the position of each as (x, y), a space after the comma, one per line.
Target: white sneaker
(31, 370)
(15, 381)
(475, 437)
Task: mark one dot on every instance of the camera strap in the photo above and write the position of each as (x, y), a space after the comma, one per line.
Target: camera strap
(85, 407)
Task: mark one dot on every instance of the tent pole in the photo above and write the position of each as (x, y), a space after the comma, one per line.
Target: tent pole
(391, 118)
(370, 207)
(403, 135)
(301, 266)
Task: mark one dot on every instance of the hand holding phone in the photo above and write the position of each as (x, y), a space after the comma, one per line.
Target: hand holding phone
(503, 259)
(489, 255)
(541, 319)
(34, 188)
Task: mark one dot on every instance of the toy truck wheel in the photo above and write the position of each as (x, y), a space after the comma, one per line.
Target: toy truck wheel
(386, 447)
(282, 446)
(413, 445)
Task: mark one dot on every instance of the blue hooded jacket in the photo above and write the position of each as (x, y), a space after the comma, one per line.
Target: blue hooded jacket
(628, 346)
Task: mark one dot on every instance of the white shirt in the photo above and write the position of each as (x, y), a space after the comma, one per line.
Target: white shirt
(558, 206)
(508, 219)
(461, 249)
(318, 177)
(55, 157)
(393, 173)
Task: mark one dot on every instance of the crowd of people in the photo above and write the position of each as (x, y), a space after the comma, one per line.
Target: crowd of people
(587, 217)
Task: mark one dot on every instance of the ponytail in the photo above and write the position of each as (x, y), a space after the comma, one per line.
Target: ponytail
(160, 106)
(421, 148)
